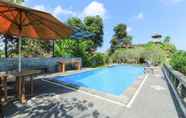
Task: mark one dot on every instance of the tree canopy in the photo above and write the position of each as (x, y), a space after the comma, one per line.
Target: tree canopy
(94, 24)
(120, 38)
(84, 48)
(16, 1)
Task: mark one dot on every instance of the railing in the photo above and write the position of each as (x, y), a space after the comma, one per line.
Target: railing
(47, 64)
(177, 85)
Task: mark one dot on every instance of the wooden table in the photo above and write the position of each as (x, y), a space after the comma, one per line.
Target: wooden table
(20, 83)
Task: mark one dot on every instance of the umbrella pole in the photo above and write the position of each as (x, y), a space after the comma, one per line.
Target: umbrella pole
(19, 43)
(6, 47)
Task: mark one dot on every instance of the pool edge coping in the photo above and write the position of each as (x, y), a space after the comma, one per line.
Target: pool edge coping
(122, 100)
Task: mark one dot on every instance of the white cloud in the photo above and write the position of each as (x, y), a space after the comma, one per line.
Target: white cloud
(140, 16)
(129, 29)
(60, 10)
(94, 8)
(39, 7)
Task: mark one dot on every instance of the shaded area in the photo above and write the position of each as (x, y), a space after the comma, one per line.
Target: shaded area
(50, 102)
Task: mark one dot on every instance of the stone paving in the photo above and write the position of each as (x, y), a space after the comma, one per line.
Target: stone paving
(52, 101)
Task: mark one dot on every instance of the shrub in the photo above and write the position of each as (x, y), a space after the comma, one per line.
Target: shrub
(1, 53)
(155, 55)
(178, 61)
(126, 56)
(98, 59)
(138, 55)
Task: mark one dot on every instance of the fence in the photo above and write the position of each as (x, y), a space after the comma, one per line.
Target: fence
(50, 64)
(177, 84)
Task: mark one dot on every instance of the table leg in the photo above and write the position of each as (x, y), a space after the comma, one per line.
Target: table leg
(31, 87)
(5, 87)
(20, 89)
(22, 94)
(17, 87)
(1, 111)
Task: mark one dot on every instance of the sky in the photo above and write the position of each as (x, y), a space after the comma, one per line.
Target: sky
(143, 17)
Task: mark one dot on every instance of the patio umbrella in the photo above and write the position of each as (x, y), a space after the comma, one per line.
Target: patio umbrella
(81, 34)
(19, 21)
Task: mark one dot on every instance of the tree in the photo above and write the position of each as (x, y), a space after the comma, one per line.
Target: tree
(76, 22)
(127, 42)
(94, 24)
(35, 48)
(16, 1)
(75, 47)
(178, 61)
(120, 31)
(120, 38)
(167, 40)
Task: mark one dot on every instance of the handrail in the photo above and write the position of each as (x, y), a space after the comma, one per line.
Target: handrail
(179, 76)
(177, 84)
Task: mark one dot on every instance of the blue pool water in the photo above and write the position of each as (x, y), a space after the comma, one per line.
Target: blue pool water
(114, 80)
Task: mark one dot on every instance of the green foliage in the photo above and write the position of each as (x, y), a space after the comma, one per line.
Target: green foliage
(120, 38)
(30, 48)
(16, 1)
(169, 49)
(98, 59)
(83, 48)
(74, 48)
(178, 61)
(120, 31)
(65, 47)
(167, 39)
(12, 45)
(138, 55)
(36, 48)
(1, 53)
(117, 39)
(153, 52)
(155, 55)
(127, 42)
(127, 55)
(75, 22)
(94, 24)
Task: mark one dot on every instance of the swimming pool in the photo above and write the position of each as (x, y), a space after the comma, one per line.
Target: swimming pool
(114, 80)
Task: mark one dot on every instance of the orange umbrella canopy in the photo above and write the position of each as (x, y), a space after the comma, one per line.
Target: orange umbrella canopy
(20, 21)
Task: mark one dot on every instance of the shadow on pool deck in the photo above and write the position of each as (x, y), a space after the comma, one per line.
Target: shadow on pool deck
(49, 102)
(153, 101)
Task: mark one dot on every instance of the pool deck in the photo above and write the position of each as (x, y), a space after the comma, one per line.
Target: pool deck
(152, 100)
